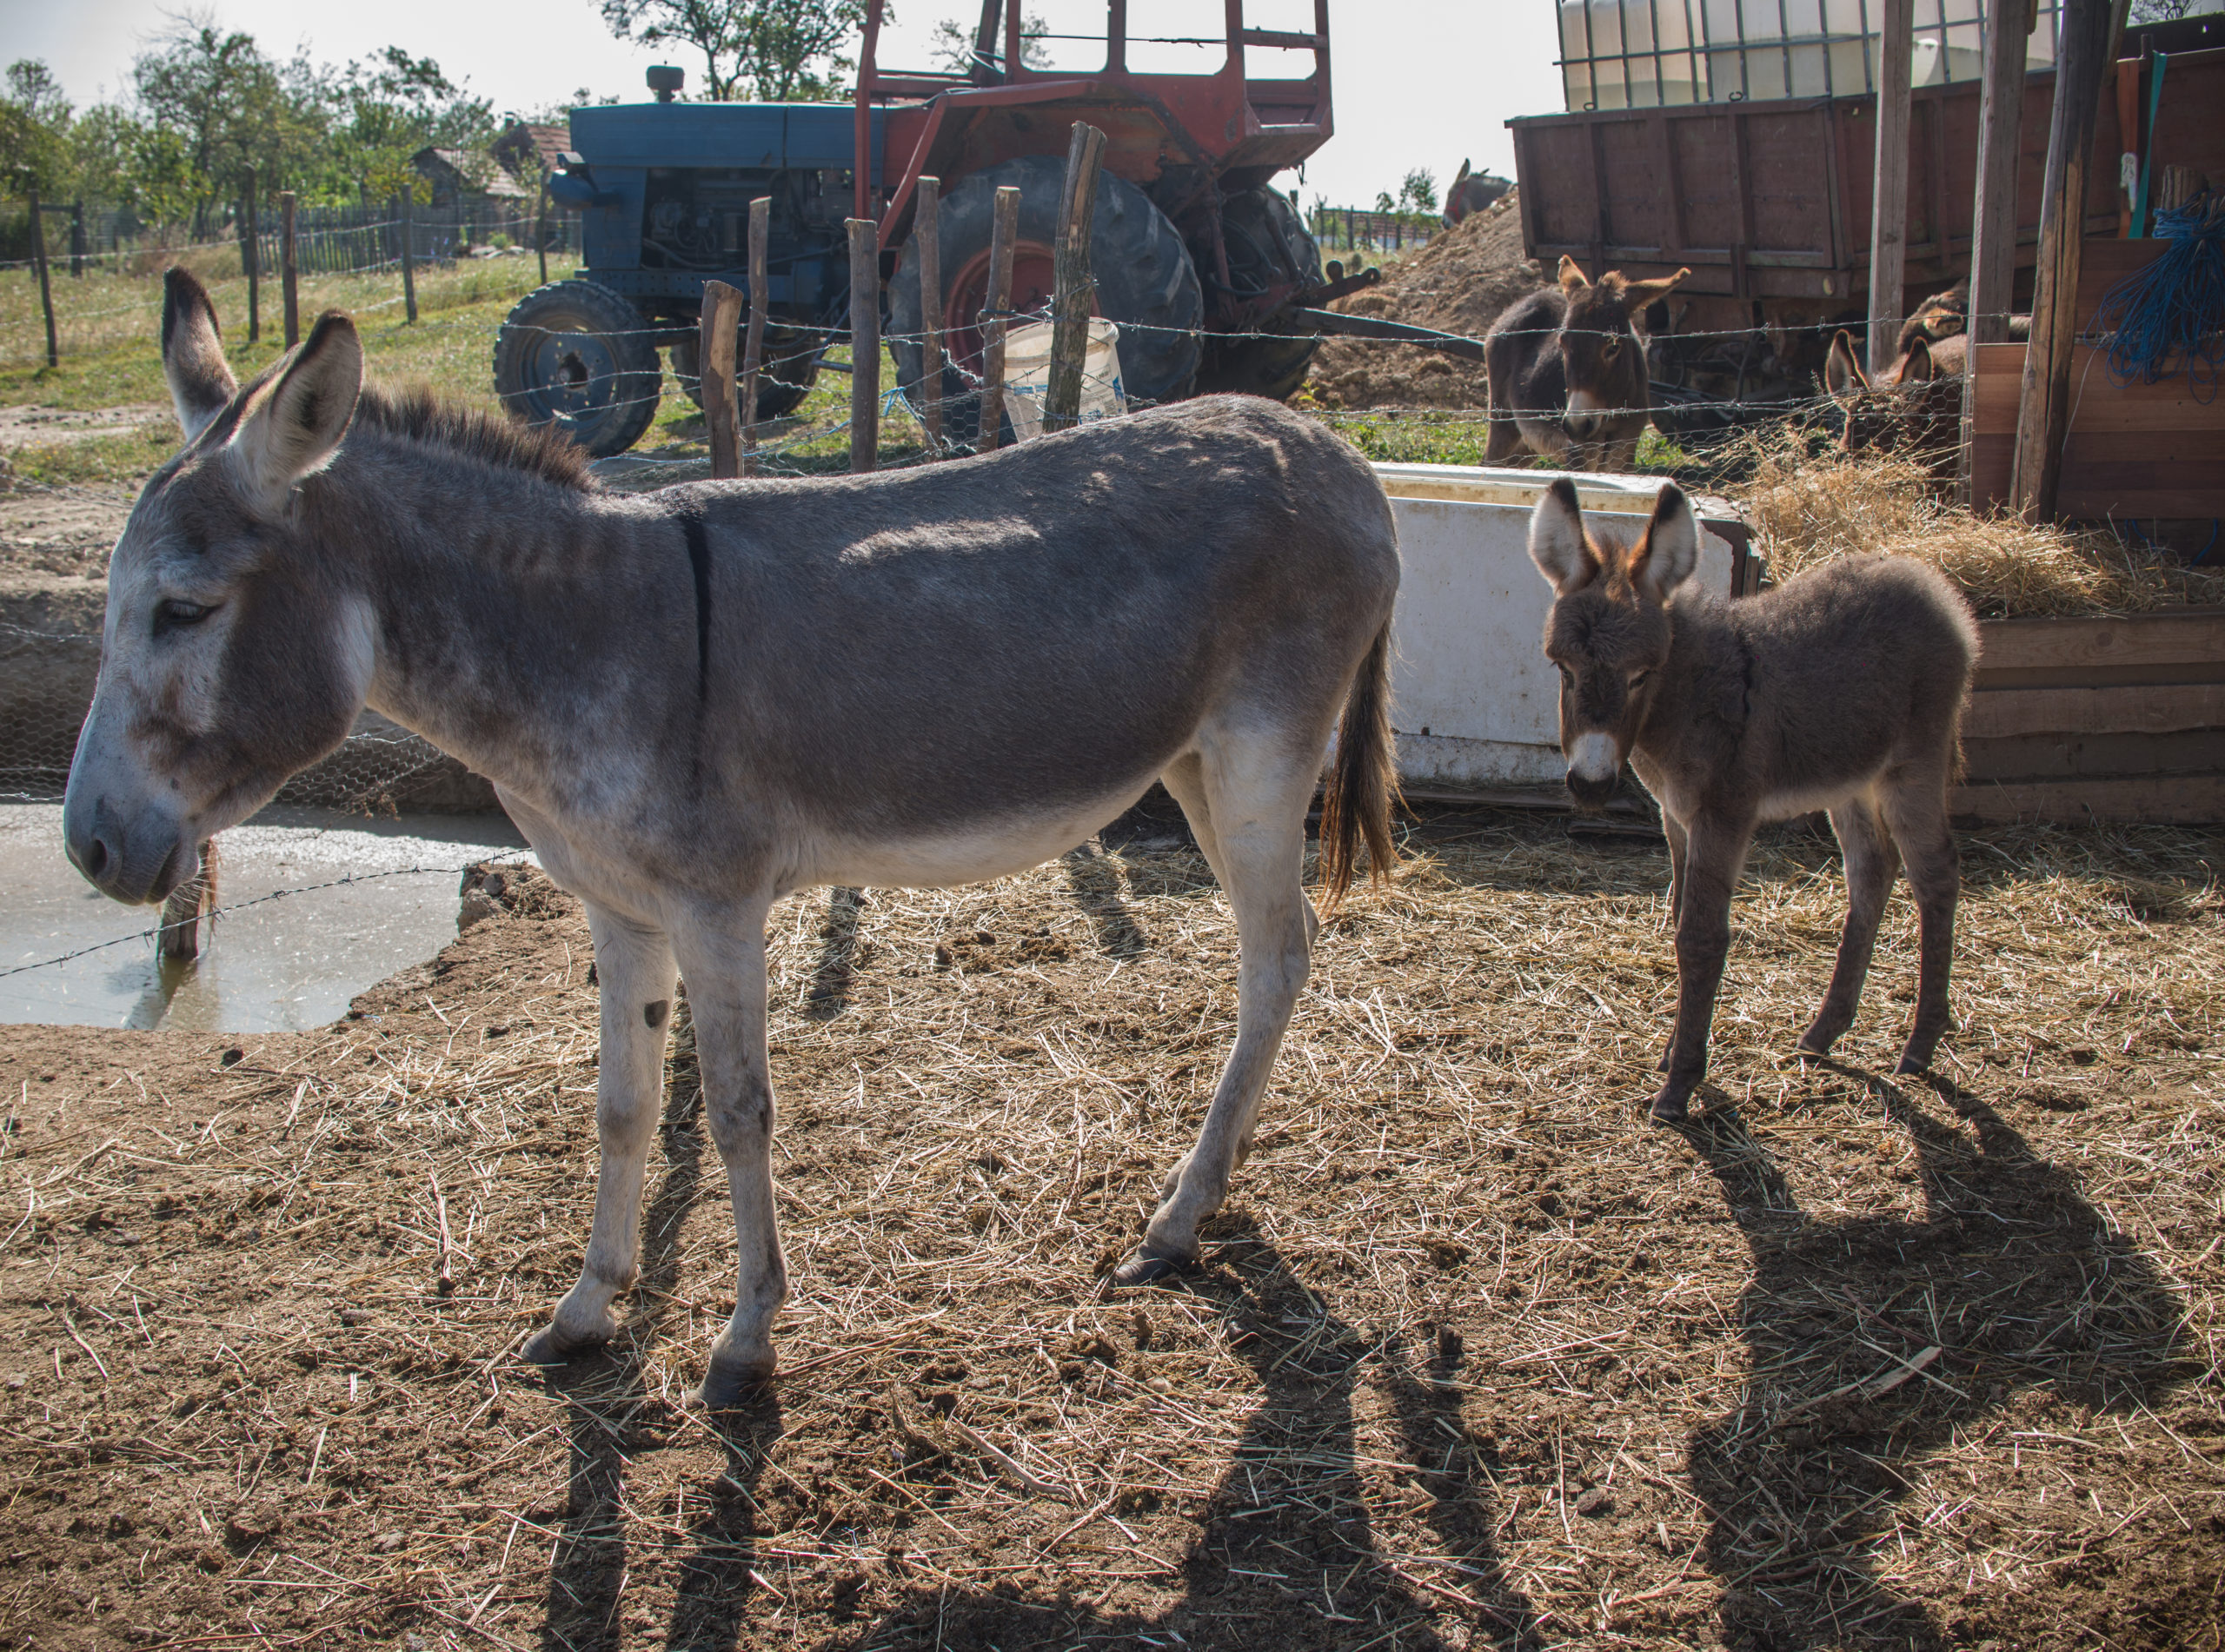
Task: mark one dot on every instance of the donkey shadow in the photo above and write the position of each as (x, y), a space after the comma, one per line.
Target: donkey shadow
(2011, 1279)
(612, 1419)
(1286, 1555)
(1093, 884)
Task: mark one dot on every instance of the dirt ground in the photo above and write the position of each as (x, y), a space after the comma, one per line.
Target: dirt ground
(1460, 283)
(65, 532)
(1475, 1357)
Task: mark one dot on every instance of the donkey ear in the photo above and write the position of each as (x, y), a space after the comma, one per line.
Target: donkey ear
(193, 353)
(1916, 367)
(1664, 558)
(1638, 294)
(1557, 540)
(1572, 281)
(1843, 375)
(294, 427)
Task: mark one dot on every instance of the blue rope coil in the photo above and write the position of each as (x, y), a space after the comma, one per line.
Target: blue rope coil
(2174, 305)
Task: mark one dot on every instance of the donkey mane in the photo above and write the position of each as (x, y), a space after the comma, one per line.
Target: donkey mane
(416, 414)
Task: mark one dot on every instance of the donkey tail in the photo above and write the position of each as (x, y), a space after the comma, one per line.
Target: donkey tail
(1363, 785)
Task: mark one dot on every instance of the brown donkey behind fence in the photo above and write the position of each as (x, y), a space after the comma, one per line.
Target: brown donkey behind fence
(1840, 689)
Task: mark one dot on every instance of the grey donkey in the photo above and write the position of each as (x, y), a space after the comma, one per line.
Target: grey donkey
(1566, 374)
(697, 700)
(1840, 689)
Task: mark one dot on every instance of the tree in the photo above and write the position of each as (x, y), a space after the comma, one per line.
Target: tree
(34, 130)
(774, 51)
(1417, 191)
(953, 46)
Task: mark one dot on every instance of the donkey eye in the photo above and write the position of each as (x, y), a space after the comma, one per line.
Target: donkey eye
(1567, 676)
(1613, 346)
(170, 613)
(1637, 678)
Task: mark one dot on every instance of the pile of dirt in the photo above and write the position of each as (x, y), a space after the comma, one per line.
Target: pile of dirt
(1460, 283)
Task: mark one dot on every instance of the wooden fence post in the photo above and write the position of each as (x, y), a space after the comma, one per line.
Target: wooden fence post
(926, 246)
(541, 226)
(1888, 210)
(1004, 230)
(2043, 407)
(46, 285)
(408, 261)
(251, 256)
(1993, 229)
(1071, 279)
(78, 239)
(864, 343)
(289, 269)
(753, 354)
(714, 350)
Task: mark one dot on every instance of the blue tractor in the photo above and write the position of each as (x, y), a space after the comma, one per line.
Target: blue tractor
(663, 190)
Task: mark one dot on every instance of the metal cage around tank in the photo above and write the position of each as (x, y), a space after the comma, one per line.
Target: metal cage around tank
(1650, 54)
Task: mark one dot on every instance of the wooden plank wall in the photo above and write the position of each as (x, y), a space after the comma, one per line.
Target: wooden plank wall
(2103, 719)
(2135, 450)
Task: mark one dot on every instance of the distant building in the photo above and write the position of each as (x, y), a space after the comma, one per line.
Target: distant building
(529, 149)
(460, 177)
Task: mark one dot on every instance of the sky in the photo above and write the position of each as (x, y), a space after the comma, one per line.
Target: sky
(1415, 82)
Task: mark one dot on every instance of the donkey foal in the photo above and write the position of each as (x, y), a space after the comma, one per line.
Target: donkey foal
(1840, 689)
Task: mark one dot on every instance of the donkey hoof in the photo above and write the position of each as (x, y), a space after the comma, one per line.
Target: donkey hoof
(550, 1346)
(1143, 1270)
(1911, 1065)
(1668, 1108)
(731, 1383)
(1814, 1044)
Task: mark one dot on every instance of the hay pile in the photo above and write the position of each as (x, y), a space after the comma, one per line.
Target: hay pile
(1476, 1358)
(1809, 507)
(1459, 283)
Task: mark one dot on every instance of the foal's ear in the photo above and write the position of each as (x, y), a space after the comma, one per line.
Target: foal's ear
(1557, 540)
(1843, 375)
(293, 428)
(1572, 282)
(193, 353)
(1917, 366)
(1664, 558)
(1638, 294)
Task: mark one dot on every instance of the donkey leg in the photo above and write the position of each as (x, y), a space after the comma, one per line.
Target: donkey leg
(1872, 863)
(725, 951)
(635, 969)
(1917, 813)
(1673, 829)
(1260, 815)
(1714, 852)
(1185, 780)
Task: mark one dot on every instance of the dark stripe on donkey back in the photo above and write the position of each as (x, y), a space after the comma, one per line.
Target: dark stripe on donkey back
(699, 559)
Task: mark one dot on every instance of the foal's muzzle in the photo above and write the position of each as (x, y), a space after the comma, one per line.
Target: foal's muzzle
(1594, 768)
(133, 858)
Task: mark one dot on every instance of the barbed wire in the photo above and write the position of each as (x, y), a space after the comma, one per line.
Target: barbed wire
(238, 906)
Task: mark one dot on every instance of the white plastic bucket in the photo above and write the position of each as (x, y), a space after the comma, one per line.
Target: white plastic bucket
(1027, 376)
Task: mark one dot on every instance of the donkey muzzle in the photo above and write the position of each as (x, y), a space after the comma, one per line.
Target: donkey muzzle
(1585, 416)
(135, 861)
(1594, 767)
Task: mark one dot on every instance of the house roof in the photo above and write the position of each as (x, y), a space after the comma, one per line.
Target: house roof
(542, 139)
(467, 171)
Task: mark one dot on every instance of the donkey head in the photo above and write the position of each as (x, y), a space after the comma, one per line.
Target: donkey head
(1912, 404)
(228, 660)
(1610, 629)
(1602, 355)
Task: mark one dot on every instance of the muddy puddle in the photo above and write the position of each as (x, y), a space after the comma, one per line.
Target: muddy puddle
(274, 964)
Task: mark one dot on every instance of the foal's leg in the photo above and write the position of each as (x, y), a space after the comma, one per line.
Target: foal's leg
(1872, 863)
(722, 955)
(1916, 810)
(1713, 851)
(1258, 796)
(1673, 829)
(634, 967)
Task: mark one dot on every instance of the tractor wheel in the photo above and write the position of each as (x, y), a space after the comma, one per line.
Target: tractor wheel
(790, 368)
(1145, 284)
(1267, 246)
(578, 356)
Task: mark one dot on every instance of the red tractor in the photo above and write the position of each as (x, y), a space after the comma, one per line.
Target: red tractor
(1189, 238)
